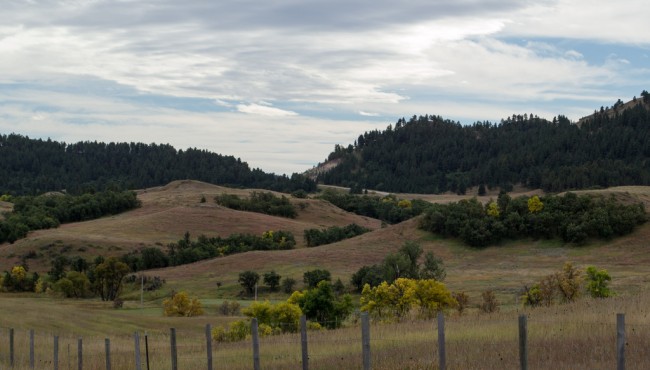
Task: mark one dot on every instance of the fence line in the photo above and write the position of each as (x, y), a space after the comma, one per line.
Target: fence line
(366, 358)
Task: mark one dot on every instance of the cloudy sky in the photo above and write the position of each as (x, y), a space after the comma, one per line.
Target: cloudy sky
(278, 83)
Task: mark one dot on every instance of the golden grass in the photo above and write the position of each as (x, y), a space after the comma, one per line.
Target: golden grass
(166, 214)
(580, 335)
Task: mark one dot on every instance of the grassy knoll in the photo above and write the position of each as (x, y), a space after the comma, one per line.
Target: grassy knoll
(166, 214)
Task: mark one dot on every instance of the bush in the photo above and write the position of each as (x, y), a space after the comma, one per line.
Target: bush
(597, 283)
(181, 305)
(288, 285)
(490, 303)
(272, 280)
(248, 280)
(463, 301)
(313, 277)
(118, 303)
(228, 308)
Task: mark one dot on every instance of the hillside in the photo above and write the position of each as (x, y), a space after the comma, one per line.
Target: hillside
(429, 154)
(167, 212)
(505, 268)
(34, 167)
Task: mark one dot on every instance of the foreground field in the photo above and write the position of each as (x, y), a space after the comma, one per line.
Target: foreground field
(572, 336)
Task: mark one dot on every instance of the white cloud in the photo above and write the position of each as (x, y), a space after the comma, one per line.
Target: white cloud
(264, 110)
(368, 114)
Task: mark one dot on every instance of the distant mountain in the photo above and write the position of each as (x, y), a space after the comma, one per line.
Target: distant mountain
(34, 166)
(429, 154)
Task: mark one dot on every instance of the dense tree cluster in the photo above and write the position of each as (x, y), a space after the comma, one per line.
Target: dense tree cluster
(402, 264)
(187, 250)
(395, 301)
(429, 154)
(48, 211)
(573, 218)
(30, 166)
(74, 278)
(567, 285)
(261, 202)
(316, 237)
(388, 209)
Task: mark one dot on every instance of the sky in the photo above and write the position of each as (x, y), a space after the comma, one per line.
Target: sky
(279, 83)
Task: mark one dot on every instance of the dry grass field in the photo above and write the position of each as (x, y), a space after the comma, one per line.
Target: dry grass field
(572, 336)
(580, 335)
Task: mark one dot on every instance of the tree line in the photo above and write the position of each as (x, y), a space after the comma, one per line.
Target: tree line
(186, 250)
(429, 154)
(260, 202)
(72, 278)
(570, 217)
(388, 209)
(34, 166)
(316, 237)
(49, 211)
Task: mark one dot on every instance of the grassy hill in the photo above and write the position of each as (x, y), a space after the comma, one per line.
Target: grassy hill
(168, 211)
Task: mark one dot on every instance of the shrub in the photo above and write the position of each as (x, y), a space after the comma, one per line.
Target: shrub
(490, 303)
(313, 277)
(288, 284)
(463, 301)
(272, 280)
(229, 308)
(118, 303)
(248, 280)
(181, 305)
(597, 283)
(569, 282)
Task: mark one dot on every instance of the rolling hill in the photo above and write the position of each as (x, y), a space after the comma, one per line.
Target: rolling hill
(168, 211)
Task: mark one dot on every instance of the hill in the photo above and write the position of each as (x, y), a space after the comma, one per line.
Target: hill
(167, 212)
(33, 167)
(504, 268)
(429, 154)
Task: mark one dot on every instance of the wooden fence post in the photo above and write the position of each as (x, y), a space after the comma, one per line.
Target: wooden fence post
(138, 361)
(365, 340)
(256, 344)
(80, 354)
(304, 343)
(172, 338)
(146, 348)
(620, 341)
(442, 354)
(208, 344)
(523, 345)
(11, 347)
(31, 349)
(56, 352)
(107, 346)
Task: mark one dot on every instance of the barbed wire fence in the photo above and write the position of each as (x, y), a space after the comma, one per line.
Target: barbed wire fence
(380, 347)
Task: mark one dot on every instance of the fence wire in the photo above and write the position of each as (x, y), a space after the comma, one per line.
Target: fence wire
(480, 344)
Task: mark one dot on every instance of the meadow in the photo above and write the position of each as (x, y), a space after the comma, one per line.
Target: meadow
(568, 336)
(579, 335)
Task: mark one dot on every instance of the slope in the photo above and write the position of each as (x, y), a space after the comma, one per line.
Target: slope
(167, 212)
(505, 268)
